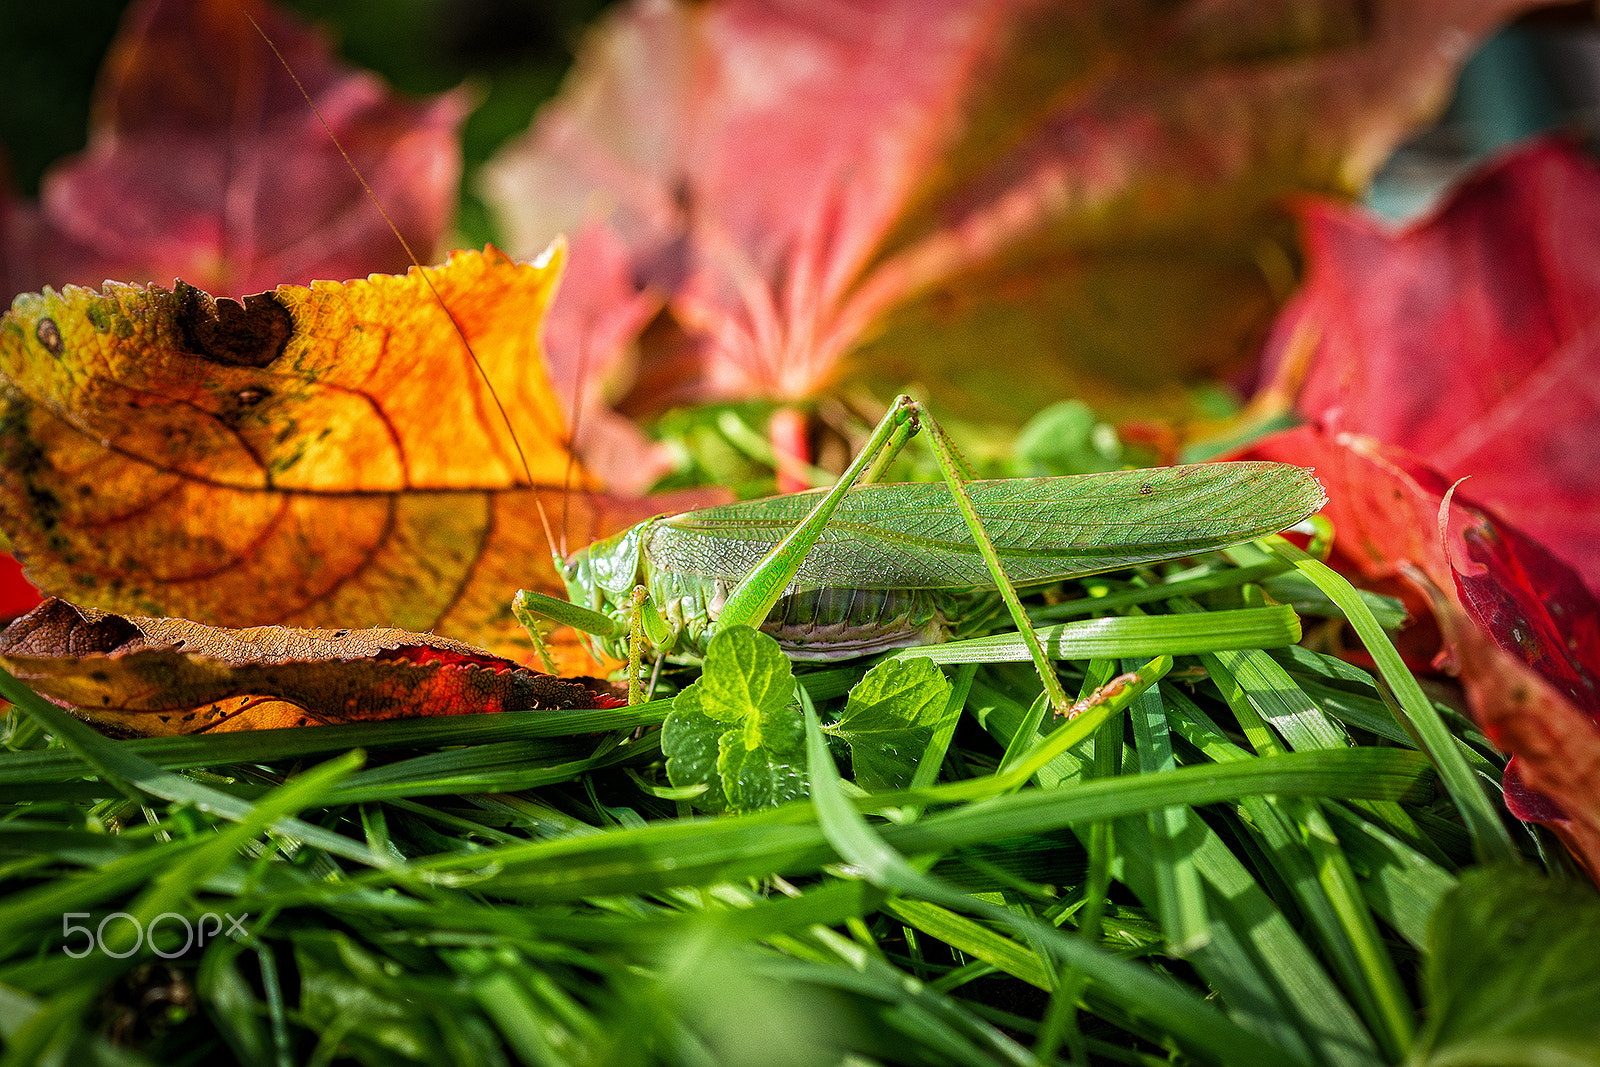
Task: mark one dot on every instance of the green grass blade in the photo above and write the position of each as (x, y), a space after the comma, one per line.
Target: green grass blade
(974, 939)
(1179, 897)
(492, 768)
(1330, 773)
(116, 763)
(1125, 636)
(1139, 990)
(1490, 839)
(1221, 578)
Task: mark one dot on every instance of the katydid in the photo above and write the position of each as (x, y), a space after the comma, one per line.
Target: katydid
(862, 568)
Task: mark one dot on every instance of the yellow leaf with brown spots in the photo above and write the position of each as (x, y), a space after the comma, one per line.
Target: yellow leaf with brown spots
(314, 456)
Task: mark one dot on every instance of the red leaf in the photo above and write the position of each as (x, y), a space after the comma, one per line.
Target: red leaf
(1554, 774)
(1534, 606)
(1471, 341)
(1465, 347)
(205, 162)
(17, 595)
(1537, 609)
(173, 676)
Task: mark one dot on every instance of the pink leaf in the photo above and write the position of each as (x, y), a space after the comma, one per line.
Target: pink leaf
(205, 162)
(758, 192)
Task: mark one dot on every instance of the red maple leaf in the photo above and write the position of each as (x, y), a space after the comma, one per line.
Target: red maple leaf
(755, 192)
(1467, 346)
(1470, 341)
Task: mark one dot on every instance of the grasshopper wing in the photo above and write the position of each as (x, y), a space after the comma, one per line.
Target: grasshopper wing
(911, 535)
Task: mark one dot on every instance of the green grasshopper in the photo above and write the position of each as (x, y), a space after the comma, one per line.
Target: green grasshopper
(862, 568)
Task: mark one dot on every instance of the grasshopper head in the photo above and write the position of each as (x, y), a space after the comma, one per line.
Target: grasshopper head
(603, 576)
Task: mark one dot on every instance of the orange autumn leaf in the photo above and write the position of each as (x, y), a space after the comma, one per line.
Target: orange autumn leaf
(172, 676)
(322, 456)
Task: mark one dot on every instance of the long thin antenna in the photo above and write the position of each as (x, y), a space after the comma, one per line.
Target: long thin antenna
(549, 536)
(579, 376)
(505, 416)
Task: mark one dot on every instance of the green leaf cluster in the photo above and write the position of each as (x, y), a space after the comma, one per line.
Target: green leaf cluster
(738, 731)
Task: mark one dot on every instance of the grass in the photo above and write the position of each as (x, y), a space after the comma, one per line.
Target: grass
(1234, 861)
